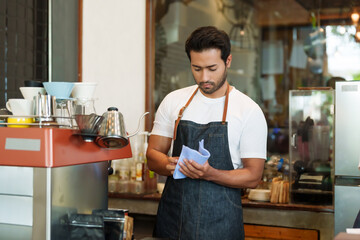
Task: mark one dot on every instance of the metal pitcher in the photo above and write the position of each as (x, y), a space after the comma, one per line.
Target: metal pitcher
(44, 107)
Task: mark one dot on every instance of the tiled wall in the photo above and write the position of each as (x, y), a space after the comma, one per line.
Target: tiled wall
(23, 45)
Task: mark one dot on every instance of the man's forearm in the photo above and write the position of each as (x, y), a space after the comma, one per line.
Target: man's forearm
(238, 178)
(247, 177)
(157, 162)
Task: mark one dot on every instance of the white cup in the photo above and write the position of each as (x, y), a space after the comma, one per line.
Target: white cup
(30, 92)
(84, 90)
(20, 107)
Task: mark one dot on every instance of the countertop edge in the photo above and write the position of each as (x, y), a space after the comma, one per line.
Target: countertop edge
(245, 202)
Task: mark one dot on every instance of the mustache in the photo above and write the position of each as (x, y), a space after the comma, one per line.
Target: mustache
(208, 82)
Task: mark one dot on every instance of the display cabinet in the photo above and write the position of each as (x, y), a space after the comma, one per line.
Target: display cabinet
(311, 129)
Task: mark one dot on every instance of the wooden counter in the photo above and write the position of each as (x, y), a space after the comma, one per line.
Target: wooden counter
(155, 197)
(292, 216)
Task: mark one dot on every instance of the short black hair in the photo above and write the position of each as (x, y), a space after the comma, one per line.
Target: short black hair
(209, 37)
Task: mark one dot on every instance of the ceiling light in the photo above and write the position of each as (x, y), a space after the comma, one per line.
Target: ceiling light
(357, 35)
(355, 17)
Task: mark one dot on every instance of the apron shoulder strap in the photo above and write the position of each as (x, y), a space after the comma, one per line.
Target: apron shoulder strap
(226, 104)
(182, 111)
(188, 102)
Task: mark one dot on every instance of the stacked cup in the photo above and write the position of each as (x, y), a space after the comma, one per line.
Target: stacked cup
(83, 93)
(23, 108)
(63, 106)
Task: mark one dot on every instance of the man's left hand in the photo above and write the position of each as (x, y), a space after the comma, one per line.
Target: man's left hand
(194, 170)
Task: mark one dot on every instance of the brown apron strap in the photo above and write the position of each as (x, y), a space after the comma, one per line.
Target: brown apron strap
(182, 111)
(188, 102)
(226, 104)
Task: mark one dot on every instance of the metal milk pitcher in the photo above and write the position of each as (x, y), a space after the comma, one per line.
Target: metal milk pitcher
(44, 107)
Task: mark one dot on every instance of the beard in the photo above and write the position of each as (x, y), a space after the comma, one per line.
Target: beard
(215, 86)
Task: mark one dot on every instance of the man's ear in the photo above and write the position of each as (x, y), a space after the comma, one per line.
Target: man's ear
(228, 61)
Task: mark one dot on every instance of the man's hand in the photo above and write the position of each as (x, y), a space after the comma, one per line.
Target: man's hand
(247, 177)
(172, 164)
(194, 170)
(158, 160)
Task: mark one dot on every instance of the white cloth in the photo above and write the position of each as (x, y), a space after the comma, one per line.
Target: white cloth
(272, 57)
(200, 157)
(298, 58)
(268, 88)
(247, 129)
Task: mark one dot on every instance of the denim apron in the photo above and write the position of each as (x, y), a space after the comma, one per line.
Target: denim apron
(199, 209)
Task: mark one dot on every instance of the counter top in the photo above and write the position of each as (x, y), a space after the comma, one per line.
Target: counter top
(51, 147)
(346, 236)
(245, 202)
(298, 216)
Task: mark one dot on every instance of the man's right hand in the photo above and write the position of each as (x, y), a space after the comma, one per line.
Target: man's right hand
(158, 160)
(172, 164)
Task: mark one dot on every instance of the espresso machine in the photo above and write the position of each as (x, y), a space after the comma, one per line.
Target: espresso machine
(47, 174)
(56, 165)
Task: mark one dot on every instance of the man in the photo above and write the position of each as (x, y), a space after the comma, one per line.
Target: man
(207, 204)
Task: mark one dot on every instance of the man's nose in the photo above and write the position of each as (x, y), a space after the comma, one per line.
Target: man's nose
(205, 75)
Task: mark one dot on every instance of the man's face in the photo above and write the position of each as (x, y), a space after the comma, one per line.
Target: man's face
(209, 72)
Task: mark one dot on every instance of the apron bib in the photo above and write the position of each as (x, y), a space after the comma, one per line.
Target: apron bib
(198, 209)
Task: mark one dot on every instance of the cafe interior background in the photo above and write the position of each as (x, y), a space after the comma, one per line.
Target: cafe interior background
(134, 51)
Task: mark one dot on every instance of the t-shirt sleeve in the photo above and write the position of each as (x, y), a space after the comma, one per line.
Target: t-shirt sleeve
(254, 136)
(163, 123)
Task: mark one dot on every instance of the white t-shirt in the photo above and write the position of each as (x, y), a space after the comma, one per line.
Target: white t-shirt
(247, 128)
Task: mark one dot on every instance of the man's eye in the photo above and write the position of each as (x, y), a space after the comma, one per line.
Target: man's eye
(212, 69)
(197, 69)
